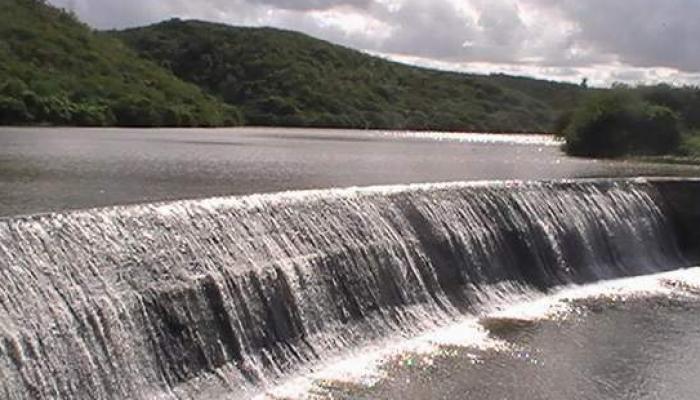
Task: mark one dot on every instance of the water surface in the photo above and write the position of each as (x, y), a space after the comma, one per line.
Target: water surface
(638, 346)
(47, 169)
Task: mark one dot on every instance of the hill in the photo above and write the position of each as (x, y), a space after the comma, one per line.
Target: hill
(56, 70)
(287, 78)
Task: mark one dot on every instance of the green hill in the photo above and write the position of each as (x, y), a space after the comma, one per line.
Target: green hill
(280, 77)
(56, 70)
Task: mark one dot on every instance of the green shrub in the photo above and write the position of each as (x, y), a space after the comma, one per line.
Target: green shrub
(136, 111)
(86, 114)
(690, 145)
(13, 87)
(56, 109)
(13, 111)
(562, 122)
(232, 116)
(617, 123)
(657, 131)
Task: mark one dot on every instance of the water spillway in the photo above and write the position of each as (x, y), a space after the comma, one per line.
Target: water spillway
(205, 298)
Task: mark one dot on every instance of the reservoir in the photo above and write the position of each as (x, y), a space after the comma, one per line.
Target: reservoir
(68, 168)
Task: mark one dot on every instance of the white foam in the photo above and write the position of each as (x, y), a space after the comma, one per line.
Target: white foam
(479, 138)
(560, 303)
(365, 366)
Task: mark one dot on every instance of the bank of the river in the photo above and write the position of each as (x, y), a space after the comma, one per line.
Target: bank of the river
(675, 160)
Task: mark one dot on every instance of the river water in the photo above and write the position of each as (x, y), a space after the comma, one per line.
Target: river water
(491, 290)
(636, 339)
(47, 169)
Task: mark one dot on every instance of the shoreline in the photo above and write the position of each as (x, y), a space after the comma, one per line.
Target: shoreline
(669, 159)
(664, 159)
(320, 128)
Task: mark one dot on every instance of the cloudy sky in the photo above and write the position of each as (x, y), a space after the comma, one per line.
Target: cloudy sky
(603, 40)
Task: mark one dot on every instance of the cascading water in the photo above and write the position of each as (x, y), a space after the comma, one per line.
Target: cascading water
(219, 297)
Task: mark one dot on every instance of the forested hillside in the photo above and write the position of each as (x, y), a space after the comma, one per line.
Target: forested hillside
(56, 70)
(287, 78)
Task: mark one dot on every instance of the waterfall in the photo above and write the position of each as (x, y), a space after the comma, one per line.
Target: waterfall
(205, 298)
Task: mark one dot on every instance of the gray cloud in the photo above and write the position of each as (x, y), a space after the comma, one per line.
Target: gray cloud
(556, 34)
(308, 5)
(107, 14)
(501, 23)
(647, 33)
(429, 29)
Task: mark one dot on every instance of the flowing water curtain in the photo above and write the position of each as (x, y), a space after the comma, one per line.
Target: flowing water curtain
(226, 295)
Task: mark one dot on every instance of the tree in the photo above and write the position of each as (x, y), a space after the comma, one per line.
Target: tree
(13, 111)
(617, 123)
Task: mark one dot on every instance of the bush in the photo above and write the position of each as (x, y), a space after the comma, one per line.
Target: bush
(233, 116)
(13, 111)
(135, 111)
(277, 106)
(55, 109)
(690, 145)
(658, 131)
(92, 115)
(562, 121)
(617, 123)
(13, 87)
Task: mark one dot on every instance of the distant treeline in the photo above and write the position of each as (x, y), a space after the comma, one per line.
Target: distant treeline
(642, 121)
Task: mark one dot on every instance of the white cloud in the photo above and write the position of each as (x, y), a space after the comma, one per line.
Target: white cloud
(605, 40)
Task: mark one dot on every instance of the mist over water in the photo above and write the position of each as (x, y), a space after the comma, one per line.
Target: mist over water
(228, 297)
